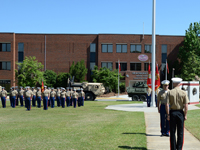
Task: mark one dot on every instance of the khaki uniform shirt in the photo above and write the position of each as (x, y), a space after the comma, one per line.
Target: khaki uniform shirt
(75, 95)
(71, 93)
(176, 98)
(81, 94)
(28, 93)
(3, 93)
(34, 92)
(21, 92)
(46, 93)
(63, 94)
(162, 96)
(58, 93)
(52, 93)
(68, 93)
(13, 93)
(39, 93)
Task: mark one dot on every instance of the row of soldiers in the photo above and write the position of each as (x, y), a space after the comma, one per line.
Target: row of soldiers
(48, 96)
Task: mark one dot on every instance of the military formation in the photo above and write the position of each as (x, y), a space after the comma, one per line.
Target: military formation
(30, 97)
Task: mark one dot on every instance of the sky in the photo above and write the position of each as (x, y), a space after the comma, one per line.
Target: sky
(173, 17)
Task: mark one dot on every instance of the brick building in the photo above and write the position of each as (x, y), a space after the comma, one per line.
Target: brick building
(58, 51)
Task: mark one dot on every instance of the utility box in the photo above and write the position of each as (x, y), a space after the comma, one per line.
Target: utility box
(192, 90)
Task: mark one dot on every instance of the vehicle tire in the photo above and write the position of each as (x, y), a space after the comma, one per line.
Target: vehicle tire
(135, 98)
(143, 98)
(89, 96)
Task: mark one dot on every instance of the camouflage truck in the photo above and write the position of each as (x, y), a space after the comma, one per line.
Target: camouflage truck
(137, 90)
(92, 90)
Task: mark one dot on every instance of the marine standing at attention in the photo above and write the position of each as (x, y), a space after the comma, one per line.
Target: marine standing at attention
(63, 96)
(17, 96)
(38, 97)
(52, 97)
(21, 96)
(178, 101)
(25, 99)
(161, 108)
(75, 97)
(148, 97)
(58, 96)
(71, 97)
(3, 95)
(68, 94)
(45, 98)
(13, 95)
(34, 96)
(29, 95)
(81, 97)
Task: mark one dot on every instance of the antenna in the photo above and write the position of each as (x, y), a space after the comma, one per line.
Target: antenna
(143, 31)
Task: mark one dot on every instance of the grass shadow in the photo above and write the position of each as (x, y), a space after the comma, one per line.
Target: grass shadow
(141, 133)
(129, 147)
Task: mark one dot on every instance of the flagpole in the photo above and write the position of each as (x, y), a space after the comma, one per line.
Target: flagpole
(153, 54)
(166, 71)
(118, 77)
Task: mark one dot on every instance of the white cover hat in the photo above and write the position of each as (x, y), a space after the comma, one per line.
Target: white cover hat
(177, 80)
(165, 82)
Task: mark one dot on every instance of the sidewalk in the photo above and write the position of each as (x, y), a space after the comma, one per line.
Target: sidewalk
(152, 120)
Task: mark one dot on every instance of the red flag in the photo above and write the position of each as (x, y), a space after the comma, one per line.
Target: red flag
(157, 81)
(167, 67)
(42, 88)
(119, 66)
(149, 77)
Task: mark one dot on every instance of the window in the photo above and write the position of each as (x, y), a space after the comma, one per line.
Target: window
(93, 47)
(5, 65)
(136, 48)
(122, 65)
(121, 48)
(92, 56)
(164, 53)
(107, 48)
(5, 47)
(135, 66)
(92, 66)
(108, 65)
(147, 48)
(20, 52)
(6, 84)
(146, 66)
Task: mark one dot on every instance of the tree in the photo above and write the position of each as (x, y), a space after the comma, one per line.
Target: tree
(61, 80)
(107, 77)
(189, 53)
(79, 71)
(29, 72)
(50, 77)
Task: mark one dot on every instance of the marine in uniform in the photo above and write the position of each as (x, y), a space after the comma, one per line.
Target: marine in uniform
(81, 97)
(45, 98)
(164, 123)
(71, 97)
(13, 95)
(34, 96)
(58, 97)
(52, 97)
(25, 99)
(21, 96)
(17, 96)
(38, 97)
(63, 96)
(29, 95)
(178, 101)
(3, 95)
(68, 94)
(148, 97)
(49, 101)
(75, 97)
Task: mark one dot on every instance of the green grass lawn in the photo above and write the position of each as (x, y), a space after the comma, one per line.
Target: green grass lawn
(193, 122)
(90, 127)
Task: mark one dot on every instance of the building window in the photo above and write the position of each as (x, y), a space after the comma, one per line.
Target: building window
(147, 48)
(164, 53)
(6, 84)
(107, 48)
(122, 65)
(108, 65)
(5, 65)
(121, 48)
(135, 66)
(136, 48)
(146, 66)
(20, 52)
(92, 56)
(5, 47)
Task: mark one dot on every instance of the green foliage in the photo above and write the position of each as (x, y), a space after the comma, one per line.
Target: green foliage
(29, 72)
(61, 80)
(107, 77)
(50, 77)
(78, 70)
(122, 87)
(189, 53)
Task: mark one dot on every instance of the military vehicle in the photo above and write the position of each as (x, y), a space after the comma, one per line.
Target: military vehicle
(137, 90)
(92, 90)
